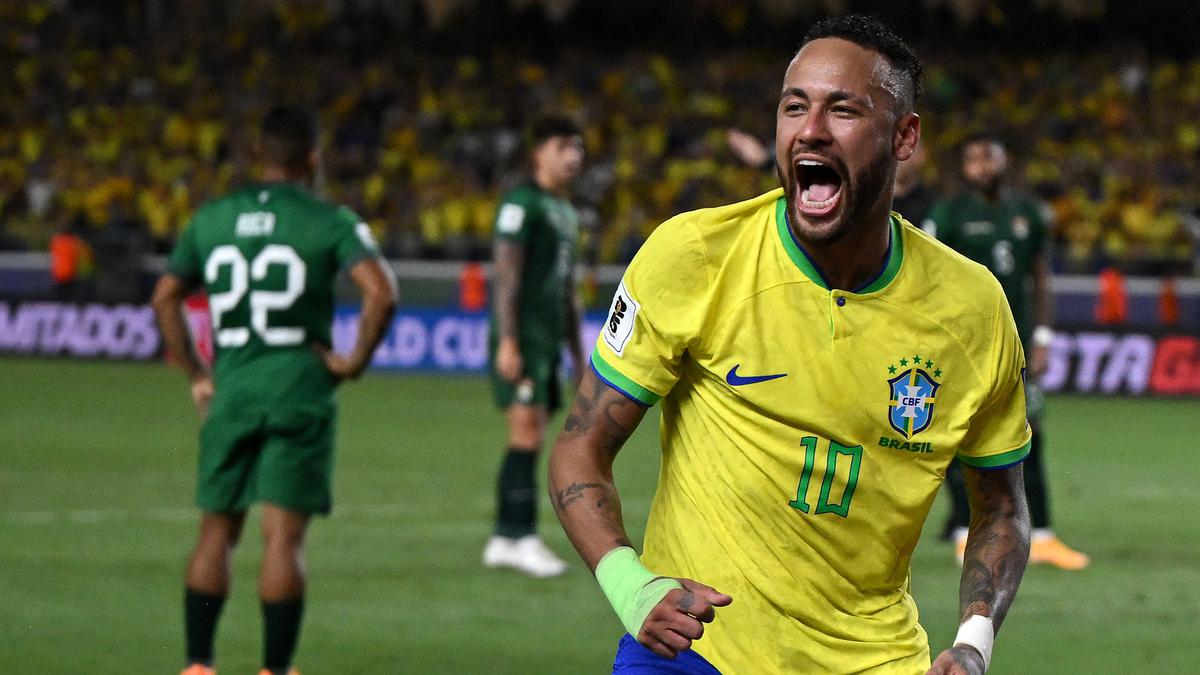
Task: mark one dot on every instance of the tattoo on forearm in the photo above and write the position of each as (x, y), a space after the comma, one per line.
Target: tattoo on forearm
(509, 263)
(998, 547)
(964, 657)
(608, 503)
(581, 481)
(573, 493)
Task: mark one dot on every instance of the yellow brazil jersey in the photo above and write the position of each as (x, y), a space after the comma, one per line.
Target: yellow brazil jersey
(805, 431)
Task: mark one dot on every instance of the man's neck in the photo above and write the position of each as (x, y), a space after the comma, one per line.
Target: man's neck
(990, 195)
(544, 181)
(277, 174)
(854, 260)
(905, 187)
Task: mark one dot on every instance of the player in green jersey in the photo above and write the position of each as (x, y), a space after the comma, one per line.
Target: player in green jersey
(267, 255)
(1004, 230)
(534, 313)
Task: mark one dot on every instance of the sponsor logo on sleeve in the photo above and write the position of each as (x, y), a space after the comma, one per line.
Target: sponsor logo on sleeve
(619, 326)
(510, 219)
(364, 235)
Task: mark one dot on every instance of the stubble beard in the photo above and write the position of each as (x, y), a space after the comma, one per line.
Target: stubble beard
(861, 193)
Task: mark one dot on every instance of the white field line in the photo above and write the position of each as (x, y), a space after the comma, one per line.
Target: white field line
(178, 514)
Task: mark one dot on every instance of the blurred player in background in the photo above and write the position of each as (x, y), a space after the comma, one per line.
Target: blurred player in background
(749, 150)
(1004, 230)
(819, 363)
(535, 312)
(912, 198)
(267, 255)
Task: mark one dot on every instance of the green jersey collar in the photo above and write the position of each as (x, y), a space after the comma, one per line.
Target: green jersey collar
(895, 253)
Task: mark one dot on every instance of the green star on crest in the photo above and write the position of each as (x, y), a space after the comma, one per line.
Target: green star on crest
(917, 360)
(929, 363)
(937, 373)
(891, 370)
(904, 362)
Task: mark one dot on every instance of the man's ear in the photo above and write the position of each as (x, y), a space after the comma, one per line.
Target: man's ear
(906, 136)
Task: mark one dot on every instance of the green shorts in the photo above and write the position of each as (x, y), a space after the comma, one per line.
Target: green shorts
(283, 457)
(542, 389)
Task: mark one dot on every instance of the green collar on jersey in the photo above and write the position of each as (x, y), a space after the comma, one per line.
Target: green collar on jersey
(799, 256)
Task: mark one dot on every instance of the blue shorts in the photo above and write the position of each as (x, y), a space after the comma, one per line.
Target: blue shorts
(634, 659)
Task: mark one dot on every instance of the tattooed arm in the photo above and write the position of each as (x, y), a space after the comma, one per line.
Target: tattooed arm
(1043, 312)
(997, 551)
(573, 313)
(581, 480)
(508, 263)
(169, 295)
(587, 504)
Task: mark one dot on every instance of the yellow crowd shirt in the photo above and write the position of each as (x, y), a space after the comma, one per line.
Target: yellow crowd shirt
(806, 430)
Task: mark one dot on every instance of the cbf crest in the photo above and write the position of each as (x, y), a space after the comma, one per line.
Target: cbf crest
(912, 395)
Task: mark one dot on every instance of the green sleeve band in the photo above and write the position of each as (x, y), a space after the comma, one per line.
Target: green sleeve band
(631, 589)
(613, 378)
(1000, 461)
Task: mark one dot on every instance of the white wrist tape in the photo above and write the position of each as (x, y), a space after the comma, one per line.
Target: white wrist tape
(977, 631)
(1043, 336)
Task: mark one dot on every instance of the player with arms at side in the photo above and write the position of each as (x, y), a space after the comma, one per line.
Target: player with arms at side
(535, 311)
(267, 255)
(1003, 230)
(819, 362)
(912, 198)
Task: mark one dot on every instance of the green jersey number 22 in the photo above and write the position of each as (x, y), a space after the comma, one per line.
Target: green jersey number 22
(241, 274)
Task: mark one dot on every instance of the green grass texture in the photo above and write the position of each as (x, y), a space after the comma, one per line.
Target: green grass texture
(97, 466)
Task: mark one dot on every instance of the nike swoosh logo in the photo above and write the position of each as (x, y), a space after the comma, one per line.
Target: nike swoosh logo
(736, 380)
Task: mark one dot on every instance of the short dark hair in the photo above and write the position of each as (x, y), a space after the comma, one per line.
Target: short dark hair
(871, 33)
(549, 126)
(990, 137)
(289, 134)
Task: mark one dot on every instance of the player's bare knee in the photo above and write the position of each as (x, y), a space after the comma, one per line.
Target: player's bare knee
(286, 537)
(220, 531)
(527, 437)
(527, 443)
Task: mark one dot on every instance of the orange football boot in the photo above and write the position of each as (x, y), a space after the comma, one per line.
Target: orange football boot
(1052, 551)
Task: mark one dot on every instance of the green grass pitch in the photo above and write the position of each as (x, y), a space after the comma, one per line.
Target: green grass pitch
(96, 517)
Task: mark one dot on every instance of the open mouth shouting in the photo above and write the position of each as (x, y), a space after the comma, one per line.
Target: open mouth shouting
(819, 185)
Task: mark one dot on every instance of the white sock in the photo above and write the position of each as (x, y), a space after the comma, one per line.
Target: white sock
(1041, 534)
(960, 534)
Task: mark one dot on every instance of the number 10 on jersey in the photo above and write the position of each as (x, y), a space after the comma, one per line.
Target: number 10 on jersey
(847, 459)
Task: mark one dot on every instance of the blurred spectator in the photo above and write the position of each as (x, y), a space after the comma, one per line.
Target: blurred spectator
(749, 150)
(912, 198)
(1112, 301)
(423, 139)
(118, 250)
(71, 262)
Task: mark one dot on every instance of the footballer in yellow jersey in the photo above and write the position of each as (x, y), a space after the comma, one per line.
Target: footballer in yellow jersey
(819, 362)
(802, 449)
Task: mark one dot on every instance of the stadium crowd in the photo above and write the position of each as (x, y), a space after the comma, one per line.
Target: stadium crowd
(110, 135)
